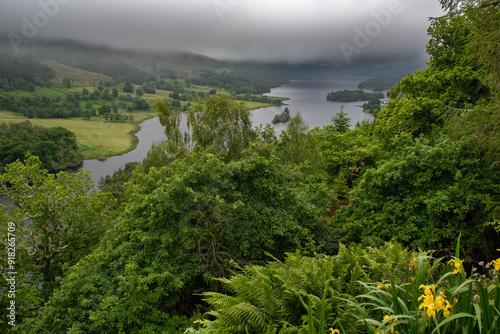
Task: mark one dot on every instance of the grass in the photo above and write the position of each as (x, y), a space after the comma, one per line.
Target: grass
(96, 137)
(257, 105)
(40, 92)
(78, 76)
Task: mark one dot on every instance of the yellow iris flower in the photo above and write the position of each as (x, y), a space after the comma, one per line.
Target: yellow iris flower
(457, 265)
(496, 264)
(433, 304)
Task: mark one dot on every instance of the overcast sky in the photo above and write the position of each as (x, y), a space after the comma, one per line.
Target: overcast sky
(338, 31)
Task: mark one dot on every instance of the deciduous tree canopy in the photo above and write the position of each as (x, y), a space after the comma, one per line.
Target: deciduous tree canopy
(56, 147)
(58, 221)
(184, 223)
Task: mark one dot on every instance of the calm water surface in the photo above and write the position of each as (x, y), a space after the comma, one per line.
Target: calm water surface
(309, 98)
(305, 96)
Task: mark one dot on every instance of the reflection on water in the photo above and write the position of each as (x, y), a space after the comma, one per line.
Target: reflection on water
(309, 98)
(151, 132)
(305, 96)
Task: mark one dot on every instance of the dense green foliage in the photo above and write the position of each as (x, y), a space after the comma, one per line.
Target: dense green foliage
(372, 106)
(58, 220)
(418, 180)
(222, 124)
(56, 147)
(424, 196)
(185, 222)
(297, 145)
(379, 84)
(114, 184)
(348, 154)
(481, 121)
(282, 118)
(452, 82)
(291, 296)
(352, 96)
(341, 123)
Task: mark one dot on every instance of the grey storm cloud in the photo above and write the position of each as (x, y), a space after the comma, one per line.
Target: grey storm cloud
(331, 31)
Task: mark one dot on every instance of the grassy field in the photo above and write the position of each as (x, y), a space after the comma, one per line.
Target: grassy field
(40, 92)
(78, 76)
(96, 137)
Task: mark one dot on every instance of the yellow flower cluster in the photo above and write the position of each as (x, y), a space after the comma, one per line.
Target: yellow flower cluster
(496, 263)
(334, 331)
(456, 265)
(433, 304)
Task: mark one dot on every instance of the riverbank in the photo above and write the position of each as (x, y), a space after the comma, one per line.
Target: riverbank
(306, 96)
(97, 138)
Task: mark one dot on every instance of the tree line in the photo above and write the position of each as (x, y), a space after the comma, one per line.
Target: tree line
(236, 81)
(45, 107)
(262, 99)
(352, 96)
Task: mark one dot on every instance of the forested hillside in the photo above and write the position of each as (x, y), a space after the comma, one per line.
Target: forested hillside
(379, 84)
(23, 74)
(391, 227)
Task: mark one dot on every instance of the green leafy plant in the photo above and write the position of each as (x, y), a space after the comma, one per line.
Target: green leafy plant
(305, 294)
(454, 304)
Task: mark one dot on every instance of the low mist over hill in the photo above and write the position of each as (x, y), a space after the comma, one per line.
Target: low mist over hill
(122, 65)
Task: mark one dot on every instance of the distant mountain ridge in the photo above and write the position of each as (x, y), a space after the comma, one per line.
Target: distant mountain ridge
(138, 65)
(121, 64)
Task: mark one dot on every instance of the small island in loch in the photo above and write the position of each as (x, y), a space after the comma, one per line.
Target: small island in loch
(283, 117)
(352, 96)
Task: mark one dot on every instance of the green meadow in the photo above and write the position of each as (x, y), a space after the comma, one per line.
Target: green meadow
(96, 137)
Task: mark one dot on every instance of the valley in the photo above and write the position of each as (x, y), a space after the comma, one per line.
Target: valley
(107, 118)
